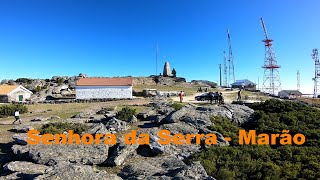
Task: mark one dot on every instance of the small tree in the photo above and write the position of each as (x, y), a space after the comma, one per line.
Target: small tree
(174, 73)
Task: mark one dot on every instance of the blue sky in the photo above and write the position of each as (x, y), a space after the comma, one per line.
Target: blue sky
(39, 39)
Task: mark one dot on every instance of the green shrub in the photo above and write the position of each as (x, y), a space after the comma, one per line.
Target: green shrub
(60, 127)
(37, 89)
(264, 161)
(8, 110)
(60, 81)
(176, 106)
(126, 113)
(226, 128)
(23, 80)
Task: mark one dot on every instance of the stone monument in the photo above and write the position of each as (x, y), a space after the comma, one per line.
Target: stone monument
(166, 69)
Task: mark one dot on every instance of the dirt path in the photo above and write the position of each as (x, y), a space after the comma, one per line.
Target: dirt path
(227, 95)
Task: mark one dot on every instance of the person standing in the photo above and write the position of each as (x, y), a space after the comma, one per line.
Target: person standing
(221, 100)
(17, 116)
(211, 97)
(181, 96)
(239, 95)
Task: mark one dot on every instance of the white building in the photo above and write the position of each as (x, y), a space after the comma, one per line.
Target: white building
(11, 93)
(104, 88)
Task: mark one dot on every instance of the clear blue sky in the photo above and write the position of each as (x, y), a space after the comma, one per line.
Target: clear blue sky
(39, 39)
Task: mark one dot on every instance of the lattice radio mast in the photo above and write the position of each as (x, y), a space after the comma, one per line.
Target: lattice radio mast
(271, 79)
(231, 62)
(225, 70)
(316, 78)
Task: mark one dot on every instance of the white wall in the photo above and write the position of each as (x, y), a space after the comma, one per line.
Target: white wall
(14, 95)
(103, 92)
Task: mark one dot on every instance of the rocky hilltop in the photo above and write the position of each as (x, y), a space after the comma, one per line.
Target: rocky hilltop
(152, 161)
(63, 86)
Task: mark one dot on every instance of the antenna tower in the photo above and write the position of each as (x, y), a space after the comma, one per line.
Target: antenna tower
(271, 79)
(225, 70)
(231, 62)
(316, 78)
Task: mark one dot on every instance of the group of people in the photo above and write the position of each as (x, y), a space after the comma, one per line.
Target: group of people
(201, 90)
(216, 97)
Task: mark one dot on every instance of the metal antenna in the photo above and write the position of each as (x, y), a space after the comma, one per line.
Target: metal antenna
(225, 69)
(271, 80)
(316, 78)
(298, 80)
(157, 60)
(231, 61)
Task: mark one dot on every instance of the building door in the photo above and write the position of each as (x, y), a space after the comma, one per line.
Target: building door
(20, 98)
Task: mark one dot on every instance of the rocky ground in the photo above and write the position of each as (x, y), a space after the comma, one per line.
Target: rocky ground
(121, 161)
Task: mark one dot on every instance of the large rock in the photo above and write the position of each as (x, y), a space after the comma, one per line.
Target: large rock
(179, 128)
(20, 150)
(193, 171)
(119, 153)
(163, 168)
(200, 116)
(177, 115)
(58, 89)
(98, 129)
(69, 171)
(25, 167)
(132, 119)
(83, 154)
(114, 125)
(22, 128)
(20, 139)
(240, 113)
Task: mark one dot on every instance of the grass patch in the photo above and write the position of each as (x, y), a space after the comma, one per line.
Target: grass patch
(188, 90)
(60, 127)
(177, 106)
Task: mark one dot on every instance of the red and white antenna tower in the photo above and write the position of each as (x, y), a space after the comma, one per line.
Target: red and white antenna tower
(231, 63)
(316, 78)
(271, 79)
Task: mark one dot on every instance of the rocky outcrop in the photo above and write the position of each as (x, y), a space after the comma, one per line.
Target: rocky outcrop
(114, 125)
(98, 129)
(70, 171)
(200, 116)
(132, 119)
(119, 153)
(163, 168)
(82, 154)
(22, 128)
(25, 167)
(20, 139)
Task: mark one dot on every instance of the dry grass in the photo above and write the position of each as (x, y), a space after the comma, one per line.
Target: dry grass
(187, 90)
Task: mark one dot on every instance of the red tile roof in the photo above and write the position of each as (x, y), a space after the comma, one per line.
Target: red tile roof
(104, 82)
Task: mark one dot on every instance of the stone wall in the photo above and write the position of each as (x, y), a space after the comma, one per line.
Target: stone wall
(101, 92)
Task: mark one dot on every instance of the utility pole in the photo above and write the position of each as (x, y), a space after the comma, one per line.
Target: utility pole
(157, 60)
(220, 75)
(298, 80)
